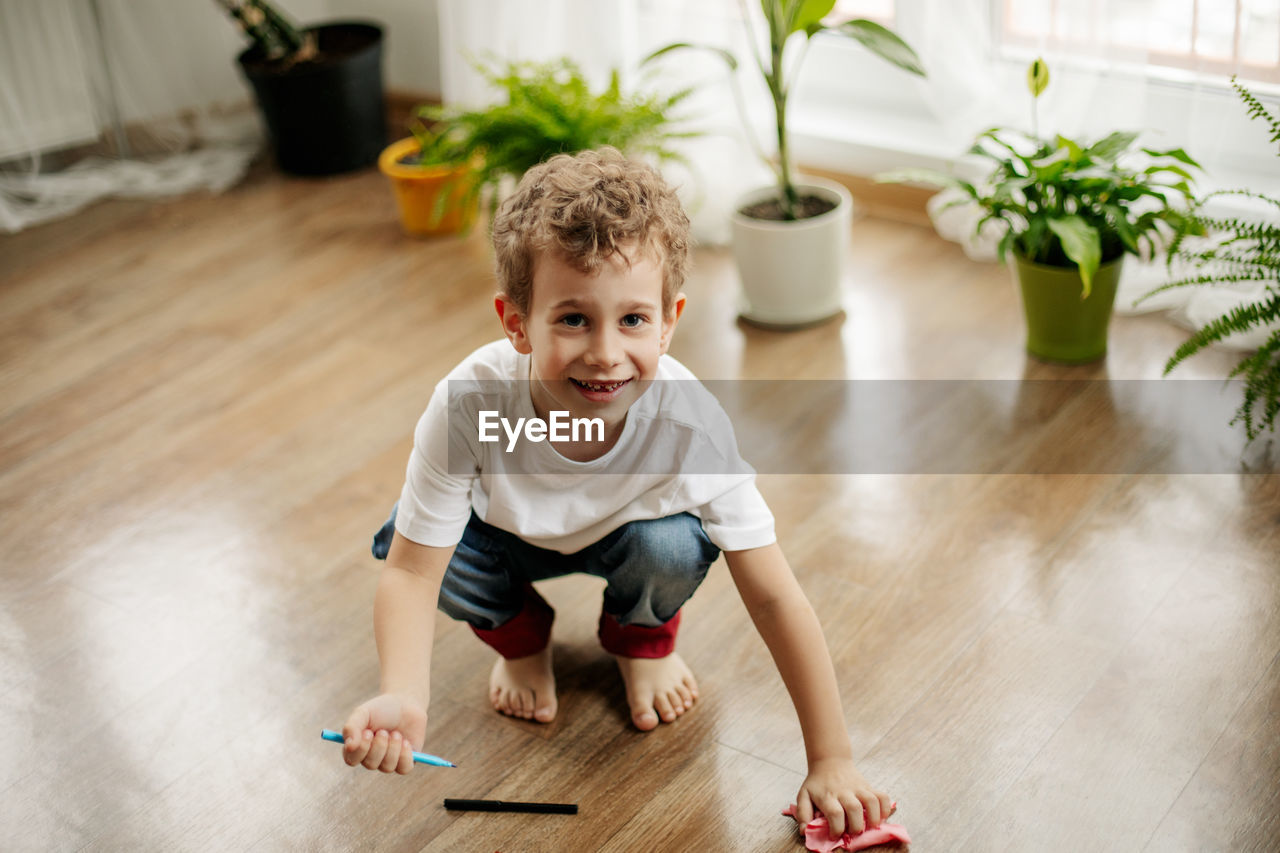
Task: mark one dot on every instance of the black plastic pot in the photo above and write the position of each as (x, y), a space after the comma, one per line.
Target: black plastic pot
(325, 116)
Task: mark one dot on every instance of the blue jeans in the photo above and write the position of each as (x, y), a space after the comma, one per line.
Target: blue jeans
(651, 568)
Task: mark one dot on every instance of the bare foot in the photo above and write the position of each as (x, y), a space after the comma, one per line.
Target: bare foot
(664, 685)
(524, 687)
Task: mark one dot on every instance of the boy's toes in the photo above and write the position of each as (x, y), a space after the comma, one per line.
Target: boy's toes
(662, 705)
(512, 703)
(544, 710)
(642, 714)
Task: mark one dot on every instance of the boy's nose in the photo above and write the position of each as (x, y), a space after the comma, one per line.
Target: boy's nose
(603, 350)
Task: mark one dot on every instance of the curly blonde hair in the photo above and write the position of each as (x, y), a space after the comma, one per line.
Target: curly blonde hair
(588, 207)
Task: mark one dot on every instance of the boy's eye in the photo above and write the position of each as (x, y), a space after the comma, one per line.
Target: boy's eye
(632, 321)
(574, 321)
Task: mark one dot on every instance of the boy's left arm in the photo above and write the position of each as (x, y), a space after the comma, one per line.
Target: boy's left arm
(786, 621)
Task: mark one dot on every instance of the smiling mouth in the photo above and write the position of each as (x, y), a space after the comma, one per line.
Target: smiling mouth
(600, 387)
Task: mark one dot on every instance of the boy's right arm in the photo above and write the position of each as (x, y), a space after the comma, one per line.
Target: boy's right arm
(382, 734)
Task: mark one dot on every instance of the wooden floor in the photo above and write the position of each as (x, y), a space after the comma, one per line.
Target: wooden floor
(206, 407)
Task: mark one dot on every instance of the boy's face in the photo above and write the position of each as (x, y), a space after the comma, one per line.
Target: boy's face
(595, 340)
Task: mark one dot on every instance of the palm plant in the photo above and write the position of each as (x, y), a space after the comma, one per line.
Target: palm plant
(1240, 251)
(792, 18)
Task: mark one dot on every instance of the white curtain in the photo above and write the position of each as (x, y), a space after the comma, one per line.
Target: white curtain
(73, 73)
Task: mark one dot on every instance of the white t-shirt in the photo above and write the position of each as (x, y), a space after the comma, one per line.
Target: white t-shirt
(676, 454)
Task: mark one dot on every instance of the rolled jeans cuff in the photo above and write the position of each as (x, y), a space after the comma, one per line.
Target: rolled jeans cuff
(524, 634)
(636, 641)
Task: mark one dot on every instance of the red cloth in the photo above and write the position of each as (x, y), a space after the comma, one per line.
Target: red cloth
(529, 631)
(817, 835)
(526, 633)
(635, 641)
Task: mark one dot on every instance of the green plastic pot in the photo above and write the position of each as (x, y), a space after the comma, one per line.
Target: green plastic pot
(1062, 327)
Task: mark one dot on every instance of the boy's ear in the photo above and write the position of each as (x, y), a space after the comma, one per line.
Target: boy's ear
(669, 322)
(512, 323)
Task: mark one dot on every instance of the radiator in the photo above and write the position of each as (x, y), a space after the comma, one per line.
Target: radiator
(46, 87)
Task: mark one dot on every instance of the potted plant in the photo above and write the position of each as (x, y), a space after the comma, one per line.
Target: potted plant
(1070, 212)
(435, 194)
(459, 156)
(319, 89)
(1239, 251)
(790, 240)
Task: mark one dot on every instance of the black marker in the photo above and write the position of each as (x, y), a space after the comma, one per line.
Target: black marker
(504, 806)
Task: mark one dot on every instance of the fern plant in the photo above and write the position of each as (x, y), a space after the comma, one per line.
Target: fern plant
(1240, 251)
(549, 108)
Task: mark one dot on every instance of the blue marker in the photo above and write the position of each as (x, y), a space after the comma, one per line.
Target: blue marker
(418, 757)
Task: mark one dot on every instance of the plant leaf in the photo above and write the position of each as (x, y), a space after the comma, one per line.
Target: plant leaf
(1177, 154)
(994, 136)
(1047, 170)
(1120, 219)
(1175, 170)
(884, 43)
(729, 58)
(1074, 152)
(1037, 77)
(1006, 241)
(1238, 319)
(1081, 243)
(810, 14)
(1112, 145)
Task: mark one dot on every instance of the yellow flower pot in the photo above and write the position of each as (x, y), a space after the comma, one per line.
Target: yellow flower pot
(418, 188)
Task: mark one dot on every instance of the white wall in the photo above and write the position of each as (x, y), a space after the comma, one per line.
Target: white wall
(411, 53)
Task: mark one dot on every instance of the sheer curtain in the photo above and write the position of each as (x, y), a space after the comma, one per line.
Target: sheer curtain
(601, 35)
(79, 76)
(1095, 89)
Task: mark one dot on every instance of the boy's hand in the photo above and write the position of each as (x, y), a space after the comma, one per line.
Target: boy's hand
(836, 788)
(382, 733)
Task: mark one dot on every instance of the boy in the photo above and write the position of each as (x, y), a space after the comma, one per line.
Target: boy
(591, 253)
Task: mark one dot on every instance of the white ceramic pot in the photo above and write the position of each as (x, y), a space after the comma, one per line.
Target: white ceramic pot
(792, 272)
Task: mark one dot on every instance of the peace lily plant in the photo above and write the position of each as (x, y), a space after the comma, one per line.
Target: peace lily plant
(1073, 209)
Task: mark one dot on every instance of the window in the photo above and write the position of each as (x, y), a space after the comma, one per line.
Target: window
(1164, 65)
(1216, 37)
